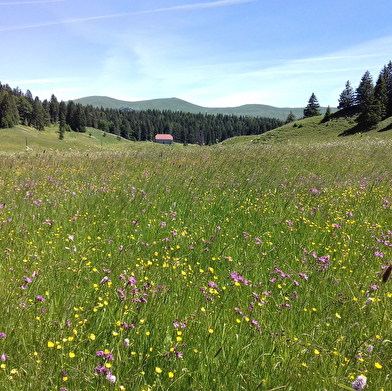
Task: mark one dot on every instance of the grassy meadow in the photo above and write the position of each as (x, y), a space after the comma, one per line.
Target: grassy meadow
(243, 266)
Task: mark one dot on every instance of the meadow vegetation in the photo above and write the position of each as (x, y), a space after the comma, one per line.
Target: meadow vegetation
(236, 267)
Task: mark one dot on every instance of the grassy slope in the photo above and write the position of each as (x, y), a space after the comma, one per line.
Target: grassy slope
(313, 130)
(16, 139)
(310, 130)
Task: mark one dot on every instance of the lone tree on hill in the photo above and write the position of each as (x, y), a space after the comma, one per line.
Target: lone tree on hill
(313, 107)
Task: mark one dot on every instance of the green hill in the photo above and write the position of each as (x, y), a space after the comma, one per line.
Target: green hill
(313, 130)
(175, 104)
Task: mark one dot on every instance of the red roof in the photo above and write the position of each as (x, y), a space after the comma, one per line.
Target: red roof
(164, 137)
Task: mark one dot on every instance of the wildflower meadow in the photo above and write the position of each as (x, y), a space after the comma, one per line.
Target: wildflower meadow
(243, 267)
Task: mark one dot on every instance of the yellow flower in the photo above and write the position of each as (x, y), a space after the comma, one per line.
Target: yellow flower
(171, 375)
(92, 337)
(50, 344)
(338, 316)
(378, 365)
(316, 351)
(158, 370)
(210, 331)
(71, 354)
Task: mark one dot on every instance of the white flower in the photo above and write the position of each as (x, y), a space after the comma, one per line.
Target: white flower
(105, 279)
(111, 378)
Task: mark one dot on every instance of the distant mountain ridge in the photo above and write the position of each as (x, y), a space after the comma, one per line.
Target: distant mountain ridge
(175, 104)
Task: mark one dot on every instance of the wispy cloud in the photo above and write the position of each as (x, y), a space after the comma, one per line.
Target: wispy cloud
(31, 2)
(42, 81)
(214, 4)
(185, 7)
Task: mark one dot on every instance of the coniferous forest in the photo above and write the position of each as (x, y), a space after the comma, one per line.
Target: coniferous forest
(372, 100)
(17, 107)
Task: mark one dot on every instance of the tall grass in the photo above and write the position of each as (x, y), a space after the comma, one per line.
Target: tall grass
(230, 267)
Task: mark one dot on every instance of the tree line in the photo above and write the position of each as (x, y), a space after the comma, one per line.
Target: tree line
(17, 107)
(373, 100)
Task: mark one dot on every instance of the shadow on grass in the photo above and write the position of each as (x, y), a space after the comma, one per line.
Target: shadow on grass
(358, 128)
(389, 127)
(346, 113)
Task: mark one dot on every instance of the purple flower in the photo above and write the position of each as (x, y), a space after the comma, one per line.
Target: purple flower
(40, 298)
(359, 383)
(3, 357)
(100, 369)
(2, 335)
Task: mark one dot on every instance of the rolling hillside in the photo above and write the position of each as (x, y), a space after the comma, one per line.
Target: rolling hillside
(175, 104)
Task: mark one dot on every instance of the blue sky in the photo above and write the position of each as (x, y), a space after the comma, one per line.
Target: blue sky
(213, 53)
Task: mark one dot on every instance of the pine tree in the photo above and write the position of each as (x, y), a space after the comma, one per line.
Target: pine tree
(365, 91)
(25, 109)
(54, 108)
(313, 107)
(62, 126)
(38, 115)
(387, 75)
(347, 97)
(381, 97)
(9, 116)
(290, 118)
(327, 115)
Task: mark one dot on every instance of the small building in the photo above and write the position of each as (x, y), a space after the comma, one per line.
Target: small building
(164, 139)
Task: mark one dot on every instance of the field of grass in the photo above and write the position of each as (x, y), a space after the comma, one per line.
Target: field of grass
(249, 266)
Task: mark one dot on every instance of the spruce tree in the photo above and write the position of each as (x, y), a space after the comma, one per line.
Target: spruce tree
(313, 107)
(38, 115)
(290, 118)
(347, 97)
(387, 75)
(54, 108)
(8, 110)
(365, 91)
(380, 97)
(62, 125)
(327, 115)
(367, 101)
